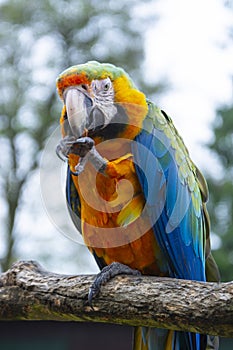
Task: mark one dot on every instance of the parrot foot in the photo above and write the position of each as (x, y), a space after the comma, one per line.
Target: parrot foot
(69, 144)
(84, 147)
(107, 273)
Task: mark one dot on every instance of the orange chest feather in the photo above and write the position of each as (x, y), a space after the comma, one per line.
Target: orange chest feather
(103, 197)
(114, 225)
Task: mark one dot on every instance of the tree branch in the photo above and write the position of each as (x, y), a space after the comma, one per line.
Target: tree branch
(28, 292)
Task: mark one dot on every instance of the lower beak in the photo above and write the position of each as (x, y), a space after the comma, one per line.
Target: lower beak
(77, 103)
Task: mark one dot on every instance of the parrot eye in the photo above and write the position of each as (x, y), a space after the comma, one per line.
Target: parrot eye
(101, 85)
(84, 87)
(106, 86)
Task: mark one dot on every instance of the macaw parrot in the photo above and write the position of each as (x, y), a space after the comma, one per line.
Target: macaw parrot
(132, 189)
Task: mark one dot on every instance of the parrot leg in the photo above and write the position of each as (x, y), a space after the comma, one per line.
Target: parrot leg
(83, 147)
(107, 273)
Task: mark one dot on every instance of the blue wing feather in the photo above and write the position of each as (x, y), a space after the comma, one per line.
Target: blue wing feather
(73, 201)
(174, 204)
(177, 226)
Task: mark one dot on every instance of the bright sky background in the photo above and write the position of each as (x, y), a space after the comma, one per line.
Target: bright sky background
(189, 47)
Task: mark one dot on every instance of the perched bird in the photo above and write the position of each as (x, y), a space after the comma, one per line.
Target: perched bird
(132, 189)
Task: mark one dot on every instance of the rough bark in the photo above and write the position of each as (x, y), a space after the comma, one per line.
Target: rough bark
(28, 292)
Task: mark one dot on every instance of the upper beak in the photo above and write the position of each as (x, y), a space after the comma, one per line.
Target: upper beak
(77, 103)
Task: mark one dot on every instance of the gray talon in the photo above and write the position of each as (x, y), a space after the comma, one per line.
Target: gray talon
(64, 147)
(107, 273)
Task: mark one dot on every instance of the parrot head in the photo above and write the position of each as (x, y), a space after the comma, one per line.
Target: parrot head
(100, 101)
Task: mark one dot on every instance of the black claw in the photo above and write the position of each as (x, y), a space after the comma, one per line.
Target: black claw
(107, 273)
(60, 154)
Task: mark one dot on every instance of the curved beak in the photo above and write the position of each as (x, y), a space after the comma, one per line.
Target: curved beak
(77, 103)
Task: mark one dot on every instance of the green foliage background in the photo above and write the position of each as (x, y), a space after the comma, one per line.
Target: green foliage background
(221, 190)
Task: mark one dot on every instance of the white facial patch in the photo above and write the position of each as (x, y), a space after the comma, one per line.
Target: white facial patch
(103, 97)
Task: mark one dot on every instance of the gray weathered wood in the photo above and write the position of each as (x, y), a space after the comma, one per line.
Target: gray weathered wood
(28, 292)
